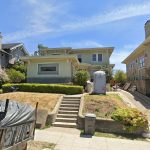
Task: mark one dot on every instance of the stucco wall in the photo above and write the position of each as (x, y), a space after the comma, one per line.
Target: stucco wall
(87, 58)
(64, 74)
(64, 69)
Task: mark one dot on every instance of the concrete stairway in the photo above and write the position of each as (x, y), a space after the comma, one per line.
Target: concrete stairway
(68, 112)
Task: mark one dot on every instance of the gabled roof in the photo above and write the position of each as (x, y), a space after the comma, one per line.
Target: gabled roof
(11, 46)
(138, 50)
(1, 50)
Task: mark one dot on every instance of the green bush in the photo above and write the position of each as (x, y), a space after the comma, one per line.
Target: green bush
(131, 119)
(15, 76)
(80, 77)
(1, 91)
(45, 88)
(19, 66)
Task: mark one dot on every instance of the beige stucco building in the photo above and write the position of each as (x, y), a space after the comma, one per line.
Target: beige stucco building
(58, 65)
(138, 64)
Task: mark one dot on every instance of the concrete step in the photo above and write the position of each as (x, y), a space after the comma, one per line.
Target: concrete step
(67, 115)
(67, 112)
(71, 97)
(71, 120)
(70, 102)
(64, 124)
(69, 105)
(69, 108)
(68, 99)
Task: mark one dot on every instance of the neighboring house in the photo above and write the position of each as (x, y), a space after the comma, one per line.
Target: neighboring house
(10, 53)
(138, 64)
(58, 65)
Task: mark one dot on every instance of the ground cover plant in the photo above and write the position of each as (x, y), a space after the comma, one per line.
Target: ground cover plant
(131, 119)
(102, 105)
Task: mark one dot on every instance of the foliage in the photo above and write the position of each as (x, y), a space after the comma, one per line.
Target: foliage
(80, 77)
(120, 77)
(3, 77)
(1, 91)
(109, 74)
(130, 118)
(41, 46)
(15, 76)
(20, 67)
(45, 88)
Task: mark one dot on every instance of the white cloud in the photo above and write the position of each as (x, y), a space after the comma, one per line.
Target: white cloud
(44, 18)
(38, 22)
(120, 54)
(82, 44)
(110, 16)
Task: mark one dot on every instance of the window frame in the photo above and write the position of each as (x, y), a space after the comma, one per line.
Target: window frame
(141, 62)
(97, 57)
(40, 72)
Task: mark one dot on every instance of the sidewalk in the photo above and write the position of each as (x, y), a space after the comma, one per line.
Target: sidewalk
(70, 139)
(135, 101)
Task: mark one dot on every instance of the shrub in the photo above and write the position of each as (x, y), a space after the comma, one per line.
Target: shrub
(15, 76)
(131, 119)
(3, 77)
(18, 66)
(81, 77)
(45, 88)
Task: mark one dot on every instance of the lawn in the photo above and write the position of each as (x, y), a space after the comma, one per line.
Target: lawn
(102, 105)
(45, 100)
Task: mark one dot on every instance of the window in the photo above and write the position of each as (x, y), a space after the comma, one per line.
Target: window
(94, 57)
(48, 69)
(97, 57)
(80, 58)
(141, 62)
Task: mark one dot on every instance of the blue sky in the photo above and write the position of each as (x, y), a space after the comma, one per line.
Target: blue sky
(76, 23)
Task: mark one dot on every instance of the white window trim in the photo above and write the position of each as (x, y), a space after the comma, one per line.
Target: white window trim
(97, 57)
(47, 74)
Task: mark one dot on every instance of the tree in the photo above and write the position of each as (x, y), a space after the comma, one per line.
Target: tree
(109, 74)
(80, 77)
(120, 77)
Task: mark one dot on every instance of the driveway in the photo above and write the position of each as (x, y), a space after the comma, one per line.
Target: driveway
(70, 139)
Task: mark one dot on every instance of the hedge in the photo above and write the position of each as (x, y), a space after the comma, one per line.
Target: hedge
(44, 88)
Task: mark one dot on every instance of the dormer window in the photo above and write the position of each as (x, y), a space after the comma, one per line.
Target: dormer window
(80, 58)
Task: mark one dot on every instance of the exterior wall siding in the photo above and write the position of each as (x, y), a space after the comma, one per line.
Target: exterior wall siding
(17, 53)
(140, 76)
(87, 58)
(49, 80)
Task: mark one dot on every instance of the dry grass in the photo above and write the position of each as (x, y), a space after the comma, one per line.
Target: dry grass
(37, 145)
(45, 100)
(102, 105)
